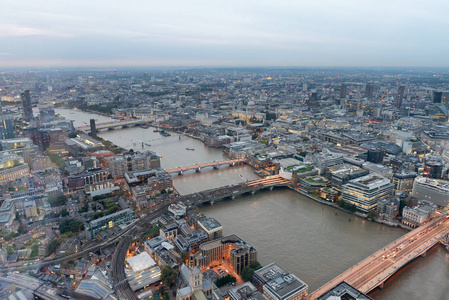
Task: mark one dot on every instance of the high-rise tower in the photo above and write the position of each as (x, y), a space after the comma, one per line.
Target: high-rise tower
(26, 103)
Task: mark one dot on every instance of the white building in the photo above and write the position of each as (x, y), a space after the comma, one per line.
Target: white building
(436, 191)
(415, 216)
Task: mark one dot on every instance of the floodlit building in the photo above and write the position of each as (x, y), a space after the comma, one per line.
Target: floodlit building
(416, 216)
(343, 291)
(366, 191)
(212, 227)
(436, 191)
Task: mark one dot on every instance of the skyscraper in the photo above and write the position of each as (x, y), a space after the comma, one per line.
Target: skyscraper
(437, 97)
(26, 103)
(369, 90)
(7, 130)
(93, 128)
(401, 90)
(343, 91)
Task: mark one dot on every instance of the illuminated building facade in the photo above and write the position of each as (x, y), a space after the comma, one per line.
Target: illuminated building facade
(366, 191)
(108, 221)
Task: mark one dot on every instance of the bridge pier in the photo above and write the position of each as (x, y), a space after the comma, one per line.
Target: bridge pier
(233, 197)
(271, 188)
(198, 170)
(381, 286)
(212, 202)
(180, 173)
(253, 192)
(215, 167)
(424, 254)
(232, 164)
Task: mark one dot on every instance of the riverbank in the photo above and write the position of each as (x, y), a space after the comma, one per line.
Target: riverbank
(358, 214)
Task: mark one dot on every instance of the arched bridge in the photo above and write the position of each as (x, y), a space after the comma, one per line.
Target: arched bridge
(235, 190)
(199, 167)
(115, 124)
(376, 269)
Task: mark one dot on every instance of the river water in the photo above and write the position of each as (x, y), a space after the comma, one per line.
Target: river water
(313, 241)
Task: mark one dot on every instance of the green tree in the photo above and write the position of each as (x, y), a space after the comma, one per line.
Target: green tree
(225, 280)
(57, 200)
(168, 275)
(70, 226)
(34, 250)
(64, 212)
(54, 244)
(247, 274)
(255, 265)
(372, 215)
(342, 203)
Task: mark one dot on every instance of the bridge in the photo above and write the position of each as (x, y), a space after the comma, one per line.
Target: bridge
(114, 124)
(214, 164)
(373, 271)
(235, 190)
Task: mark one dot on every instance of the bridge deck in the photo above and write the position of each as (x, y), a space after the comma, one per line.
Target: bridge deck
(374, 270)
(203, 165)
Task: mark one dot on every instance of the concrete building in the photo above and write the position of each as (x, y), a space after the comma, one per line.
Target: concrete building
(416, 216)
(343, 291)
(109, 221)
(12, 168)
(231, 248)
(387, 209)
(212, 227)
(436, 191)
(366, 191)
(277, 284)
(119, 165)
(342, 174)
(7, 128)
(403, 181)
(245, 291)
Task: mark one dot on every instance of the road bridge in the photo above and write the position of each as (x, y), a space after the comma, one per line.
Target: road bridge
(373, 271)
(199, 167)
(115, 124)
(235, 190)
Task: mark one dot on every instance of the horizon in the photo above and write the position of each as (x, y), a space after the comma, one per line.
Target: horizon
(219, 34)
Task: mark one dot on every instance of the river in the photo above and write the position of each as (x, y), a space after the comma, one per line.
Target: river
(312, 241)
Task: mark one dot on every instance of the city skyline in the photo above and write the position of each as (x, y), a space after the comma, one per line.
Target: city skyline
(202, 33)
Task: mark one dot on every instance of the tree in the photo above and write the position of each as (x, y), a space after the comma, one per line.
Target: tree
(247, 274)
(225, 280)
(168, 275)
(57, 200)
(342, 203)
(255, 265)
(372, 215)
(54, 244)
(64, 213)
(70, 226)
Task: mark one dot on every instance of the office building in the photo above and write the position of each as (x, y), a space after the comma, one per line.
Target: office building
(366, 191)
(369, 91)
(109, 221)
(93, 128)
(400, 96)
(245, 291)
(403, 181)
(343, 91)
(231, 248)
(342, 174)
(387, 209)
(416, 216)
(119, 165)
(277, 284)
(343, 291)
(212, 227)
(7, 128)
(436, 191)
(12, 168)
(46, 113)
(437, 97)
(434, 169)
(27, 106)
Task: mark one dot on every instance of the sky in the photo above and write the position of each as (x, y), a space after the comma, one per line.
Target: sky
(51, 33)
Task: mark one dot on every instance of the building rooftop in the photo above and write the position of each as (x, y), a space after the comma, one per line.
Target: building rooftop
(279, 282)
(210, 224)
(343, 291)
(370, 181)
(140, 262)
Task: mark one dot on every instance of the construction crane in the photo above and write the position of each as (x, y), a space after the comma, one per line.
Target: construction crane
(442, 148)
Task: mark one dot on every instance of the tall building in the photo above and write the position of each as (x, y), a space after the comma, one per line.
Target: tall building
(400, 97)
(343, 91)
(437, 97)
(416, 216)
(46, 113)
(7, 129)
(369, 91)
(27, 107)
(93, 128)
(366, 191)
(119, 165)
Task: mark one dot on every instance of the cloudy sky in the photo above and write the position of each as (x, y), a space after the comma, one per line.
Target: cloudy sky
(224, 33)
